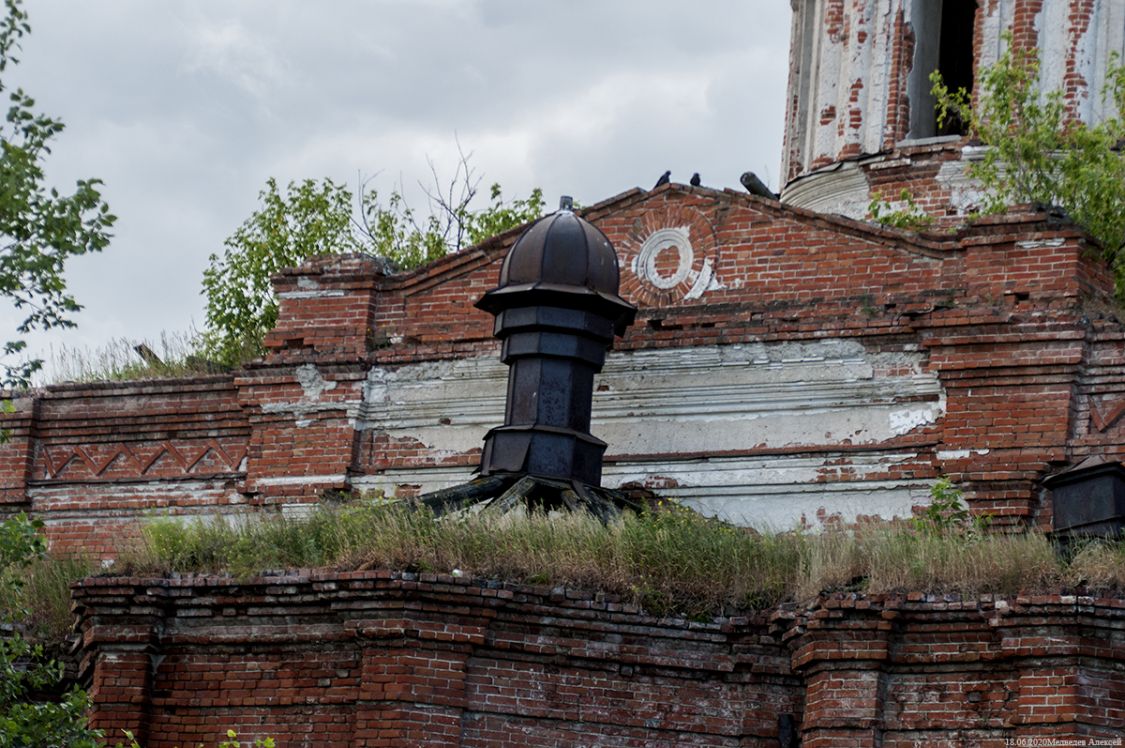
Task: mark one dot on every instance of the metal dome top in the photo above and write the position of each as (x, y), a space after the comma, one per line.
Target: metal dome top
(562, 250)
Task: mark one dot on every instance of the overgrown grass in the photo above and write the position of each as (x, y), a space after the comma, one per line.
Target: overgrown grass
(40, 599)
(671, 562)
(177, 355)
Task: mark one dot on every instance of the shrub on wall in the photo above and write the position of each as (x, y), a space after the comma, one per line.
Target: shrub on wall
(1040, 153)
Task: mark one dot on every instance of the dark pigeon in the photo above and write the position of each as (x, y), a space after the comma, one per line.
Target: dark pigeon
(663, 179)
(695, 179)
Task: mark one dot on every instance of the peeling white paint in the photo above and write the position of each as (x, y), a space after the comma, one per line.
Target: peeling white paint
(313, 384)
(842, 189)
(301, 510)
(1053, 25)
(1041, 243)
(705, 281)
(998, 17)
(703, 401)
(59, 504)
(300, 480)
(775, 492)
(965, 193)
(906, 420)
(1107, 37)
(326, 294)
(309, 288)
(675, 238)
(430, 478)
(810, 505)
(828, 70)
(959, 454)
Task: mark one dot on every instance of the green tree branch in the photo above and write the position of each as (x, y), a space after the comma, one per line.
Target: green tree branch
(1039, 153)
(40, 228)
(316, 218)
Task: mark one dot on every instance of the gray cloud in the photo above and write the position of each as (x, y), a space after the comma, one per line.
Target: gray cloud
(185, 108)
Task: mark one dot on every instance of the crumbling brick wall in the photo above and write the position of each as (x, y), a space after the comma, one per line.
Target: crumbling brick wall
(860, 123)
(373, 658)
(785, 367)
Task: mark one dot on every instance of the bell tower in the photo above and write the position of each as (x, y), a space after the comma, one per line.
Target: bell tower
(860, 117)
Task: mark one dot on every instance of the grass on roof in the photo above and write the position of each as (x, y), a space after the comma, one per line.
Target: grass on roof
(672, 561)
(669, 561)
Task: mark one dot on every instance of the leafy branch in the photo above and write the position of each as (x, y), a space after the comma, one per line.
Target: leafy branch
(1039, 152)
(316, 217)
(40, 228)
(905, 214)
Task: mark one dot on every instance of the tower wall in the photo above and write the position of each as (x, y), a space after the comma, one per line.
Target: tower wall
(860, 120)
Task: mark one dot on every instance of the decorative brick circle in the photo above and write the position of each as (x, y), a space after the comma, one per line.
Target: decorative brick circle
(665, 258)
(668, 257)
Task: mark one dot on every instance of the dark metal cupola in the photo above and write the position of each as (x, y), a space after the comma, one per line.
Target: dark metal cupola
(557, 312)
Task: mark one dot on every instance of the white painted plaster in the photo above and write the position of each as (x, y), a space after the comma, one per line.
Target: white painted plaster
(301, 510)
(1063, 42)
(704, 399)
(312, 383)
(644, 264)
(195, 489)
(775, 492)
(691, 401)
(826, 83)
(57, 503)
(431, 478)
(1053, 27)
(704, 282)
(810, 504)
(1107, 36)
(965, 193)
(878, 81)
(300, 480)
(959, 454)
(329, 293)
(313, 386)
(1041, 243)
(998, 15)
(841, 189)
(824, 67)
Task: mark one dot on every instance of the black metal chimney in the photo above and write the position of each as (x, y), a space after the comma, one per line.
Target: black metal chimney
(557, 312)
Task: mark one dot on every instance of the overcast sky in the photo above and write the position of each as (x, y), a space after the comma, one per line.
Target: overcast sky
(185, 107)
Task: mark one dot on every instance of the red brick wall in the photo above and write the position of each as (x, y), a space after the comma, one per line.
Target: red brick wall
(1013, 315)
(371, 658)
(92, 459)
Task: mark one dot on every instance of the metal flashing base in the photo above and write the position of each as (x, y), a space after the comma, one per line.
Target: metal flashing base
(509, 491)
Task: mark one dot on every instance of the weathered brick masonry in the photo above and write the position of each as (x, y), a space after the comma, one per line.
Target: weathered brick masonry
(860, 116)
(786, 366)
(375, 659)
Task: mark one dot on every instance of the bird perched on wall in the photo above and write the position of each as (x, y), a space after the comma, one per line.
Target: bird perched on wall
(756, 186)
(695, 181)
(663, 179)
